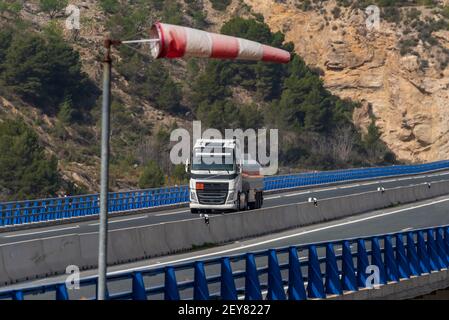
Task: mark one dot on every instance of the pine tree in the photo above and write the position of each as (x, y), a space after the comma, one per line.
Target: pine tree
(44, 72)
(169, 96)
(25, 170)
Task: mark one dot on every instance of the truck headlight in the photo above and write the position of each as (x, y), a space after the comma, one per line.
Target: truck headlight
(231, 197)
(193, 196)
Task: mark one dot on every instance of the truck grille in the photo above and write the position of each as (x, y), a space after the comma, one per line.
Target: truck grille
(213, 193)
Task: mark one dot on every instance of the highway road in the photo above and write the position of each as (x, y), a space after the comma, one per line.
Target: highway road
(423, 214)
(166, 214)
(418, 215)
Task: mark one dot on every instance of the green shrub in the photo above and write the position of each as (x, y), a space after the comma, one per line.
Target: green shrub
(336, 12)
(157, 4)
(179, 174)
(110, 6)
(152, 176)
(172, 12)
(304, 5)
(11, 7)
(391, 14)
(25, 170)
(445, 12)
(66, 113)
(406, 46)
(220, 5)
(53, 7)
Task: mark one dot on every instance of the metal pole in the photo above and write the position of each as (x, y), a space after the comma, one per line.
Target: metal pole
(140, 41)
(105, 131)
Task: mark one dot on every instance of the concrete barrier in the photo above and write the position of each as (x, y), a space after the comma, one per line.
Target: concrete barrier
(24, 261)
(4, 278)
(40, 258)
(126, 246)
(89, 251)
(60, 252)
(147, 239)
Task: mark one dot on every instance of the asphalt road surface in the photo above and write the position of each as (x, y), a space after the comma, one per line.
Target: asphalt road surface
(166, 215)
(432, 212)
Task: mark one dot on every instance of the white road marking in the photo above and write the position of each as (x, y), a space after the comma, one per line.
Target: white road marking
(282, 237)
(38, 232)
(121, 220)
(171, 213)
(347, 187)
(370, 183)
(407, 178)
(275, 197)
(327, 189)
(296, 194)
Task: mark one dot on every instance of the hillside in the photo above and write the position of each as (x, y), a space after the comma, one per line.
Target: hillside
(50, 79)
(399, 72)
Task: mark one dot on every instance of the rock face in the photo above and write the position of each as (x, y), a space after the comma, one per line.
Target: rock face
(409, 101)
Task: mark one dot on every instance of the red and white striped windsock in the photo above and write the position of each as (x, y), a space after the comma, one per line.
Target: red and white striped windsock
(177, 42)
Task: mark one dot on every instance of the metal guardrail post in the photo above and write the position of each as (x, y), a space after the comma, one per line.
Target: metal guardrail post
(315, 287)
(362, 263)
(138, 287)
(227, 286)
(275, 283)
(332, 282)
(348, 277)
(252, 283)
(296, 289)
(200, 289)
(171, 291)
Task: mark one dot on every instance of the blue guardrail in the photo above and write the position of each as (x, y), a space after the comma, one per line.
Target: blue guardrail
(31, 211)
(295, 273)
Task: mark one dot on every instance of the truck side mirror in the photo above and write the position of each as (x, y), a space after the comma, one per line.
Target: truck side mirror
(240, 167)
(187, 167)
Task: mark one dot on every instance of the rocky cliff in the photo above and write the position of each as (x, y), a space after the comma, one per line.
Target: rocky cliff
(406, 91)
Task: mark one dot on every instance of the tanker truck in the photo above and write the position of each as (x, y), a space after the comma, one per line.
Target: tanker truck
(222, 178)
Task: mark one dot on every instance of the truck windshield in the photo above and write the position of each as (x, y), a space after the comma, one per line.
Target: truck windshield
(213, 159)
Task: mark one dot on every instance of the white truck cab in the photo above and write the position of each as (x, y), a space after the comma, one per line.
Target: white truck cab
(221, 179)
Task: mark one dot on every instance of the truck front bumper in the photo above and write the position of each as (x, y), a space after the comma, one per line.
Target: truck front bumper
(227, 206)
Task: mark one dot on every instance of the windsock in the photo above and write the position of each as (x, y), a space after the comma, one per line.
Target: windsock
(178, 42)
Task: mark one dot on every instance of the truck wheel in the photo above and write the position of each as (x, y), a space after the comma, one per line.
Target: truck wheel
(255, 204)
(259, 200)
(242, 197)
(246, 206)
